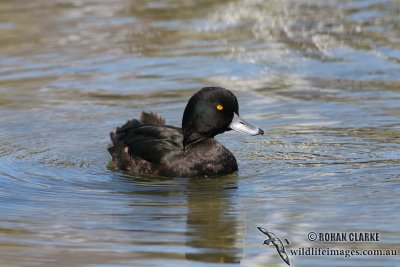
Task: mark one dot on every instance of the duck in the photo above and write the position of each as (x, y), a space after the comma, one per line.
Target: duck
(147, 146)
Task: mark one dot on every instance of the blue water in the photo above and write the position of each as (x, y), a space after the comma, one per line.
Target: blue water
(320, 77)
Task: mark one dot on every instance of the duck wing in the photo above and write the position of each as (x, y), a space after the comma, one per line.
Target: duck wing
(139, 144)
(155, 144)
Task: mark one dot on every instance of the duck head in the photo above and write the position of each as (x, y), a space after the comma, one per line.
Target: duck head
(211, 111)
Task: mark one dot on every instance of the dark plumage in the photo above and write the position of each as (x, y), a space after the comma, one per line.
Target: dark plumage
(148, 146)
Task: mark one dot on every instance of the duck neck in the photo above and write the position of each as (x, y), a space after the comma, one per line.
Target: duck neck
(190, 138)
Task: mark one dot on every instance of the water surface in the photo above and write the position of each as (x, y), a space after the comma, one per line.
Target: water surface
(320, 77)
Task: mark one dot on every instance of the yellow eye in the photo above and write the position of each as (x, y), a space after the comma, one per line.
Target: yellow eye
(220, 107)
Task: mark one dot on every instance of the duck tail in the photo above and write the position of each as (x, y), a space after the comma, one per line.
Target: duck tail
(151, 118)
(117, 137)
(113, 137)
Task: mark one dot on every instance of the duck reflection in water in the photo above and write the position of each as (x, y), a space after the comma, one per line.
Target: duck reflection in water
(213, 228)
(204, 208)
